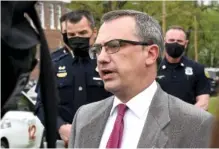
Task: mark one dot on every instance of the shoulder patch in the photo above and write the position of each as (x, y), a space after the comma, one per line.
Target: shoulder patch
(207, 74)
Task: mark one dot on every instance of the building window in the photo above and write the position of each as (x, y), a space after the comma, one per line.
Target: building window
(59, 11)
(51, 11)
(41, 14)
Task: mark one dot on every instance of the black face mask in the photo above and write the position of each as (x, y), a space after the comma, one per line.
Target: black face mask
(65, 38)
(174, 50)
(79, 45)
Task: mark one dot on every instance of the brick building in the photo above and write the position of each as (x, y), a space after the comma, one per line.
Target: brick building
(49, 13)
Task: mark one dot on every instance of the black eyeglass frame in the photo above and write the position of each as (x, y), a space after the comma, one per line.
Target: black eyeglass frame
(100, 47)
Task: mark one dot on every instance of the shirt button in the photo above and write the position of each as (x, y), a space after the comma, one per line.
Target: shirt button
(80, 88)
(163, 67)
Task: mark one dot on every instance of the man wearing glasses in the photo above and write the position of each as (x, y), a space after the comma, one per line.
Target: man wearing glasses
(140, 114)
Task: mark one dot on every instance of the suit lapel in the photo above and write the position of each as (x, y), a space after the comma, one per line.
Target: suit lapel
(92, 132)
(158, 117)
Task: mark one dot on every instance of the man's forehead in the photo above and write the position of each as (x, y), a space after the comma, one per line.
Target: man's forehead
(175, 33)
(83, 24)
(121, 28)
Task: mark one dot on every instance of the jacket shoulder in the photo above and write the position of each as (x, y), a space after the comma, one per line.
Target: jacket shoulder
(94, 106)
(193, 64)
(182, 111)
(89, 111)
(58, 54)
(189, 124)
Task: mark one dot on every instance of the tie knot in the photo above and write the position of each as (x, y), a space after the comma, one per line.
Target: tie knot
(121, 109)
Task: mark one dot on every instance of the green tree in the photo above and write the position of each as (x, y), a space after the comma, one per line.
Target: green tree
(98, 8)
(177, 13)
(209, 37)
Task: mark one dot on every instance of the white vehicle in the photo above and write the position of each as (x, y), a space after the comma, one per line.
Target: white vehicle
(21, 129)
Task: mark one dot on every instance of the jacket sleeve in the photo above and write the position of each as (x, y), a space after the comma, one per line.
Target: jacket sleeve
(202, 135)
(60, 122)
(202, 84)
(39, 110)
(73, 135)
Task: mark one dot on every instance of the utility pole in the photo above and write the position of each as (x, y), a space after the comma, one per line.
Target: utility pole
(195, 39)
(163, 21)
(164, 17)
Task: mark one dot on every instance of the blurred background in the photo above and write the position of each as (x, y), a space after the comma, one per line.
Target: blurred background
(200, 18)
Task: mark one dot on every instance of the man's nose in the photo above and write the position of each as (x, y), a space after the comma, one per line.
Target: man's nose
(103, 57)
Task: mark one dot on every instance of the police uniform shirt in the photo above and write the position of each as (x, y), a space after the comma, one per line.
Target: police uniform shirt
(39, 109)
(185, 80)
(78, 84)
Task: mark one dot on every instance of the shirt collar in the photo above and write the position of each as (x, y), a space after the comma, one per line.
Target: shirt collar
(83, 60)
(182, 62)
(140, 103)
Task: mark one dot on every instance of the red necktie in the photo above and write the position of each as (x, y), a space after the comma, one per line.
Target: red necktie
(116, 135)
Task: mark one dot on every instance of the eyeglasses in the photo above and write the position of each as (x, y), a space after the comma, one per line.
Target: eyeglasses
(113, 46)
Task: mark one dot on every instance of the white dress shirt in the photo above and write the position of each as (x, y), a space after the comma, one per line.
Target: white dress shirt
(134, 118)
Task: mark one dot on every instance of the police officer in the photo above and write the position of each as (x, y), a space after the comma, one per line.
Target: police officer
(77, 80)
(59, 53)
(65, 49)
(180, 76)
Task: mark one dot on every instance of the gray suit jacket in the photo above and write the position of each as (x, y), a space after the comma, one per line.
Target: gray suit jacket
(170, 123)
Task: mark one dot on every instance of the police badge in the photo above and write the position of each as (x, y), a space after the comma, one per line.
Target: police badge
(188, 71)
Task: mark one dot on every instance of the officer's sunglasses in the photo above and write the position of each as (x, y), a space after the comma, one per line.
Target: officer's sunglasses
(113, 46)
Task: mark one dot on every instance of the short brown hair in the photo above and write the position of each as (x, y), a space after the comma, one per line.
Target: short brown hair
(63, 18)
(76, 15)
(147, 28)
(177, 27)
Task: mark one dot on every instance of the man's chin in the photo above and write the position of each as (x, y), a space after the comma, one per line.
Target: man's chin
(110, 86)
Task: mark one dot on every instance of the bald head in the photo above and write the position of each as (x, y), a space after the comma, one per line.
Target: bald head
(176, 35)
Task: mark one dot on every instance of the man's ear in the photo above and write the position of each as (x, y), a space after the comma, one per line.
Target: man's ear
(153, 54)
(187, 41)
(95, 32)
(93, 36)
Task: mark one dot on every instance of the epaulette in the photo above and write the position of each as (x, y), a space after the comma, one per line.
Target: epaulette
(58, 54)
